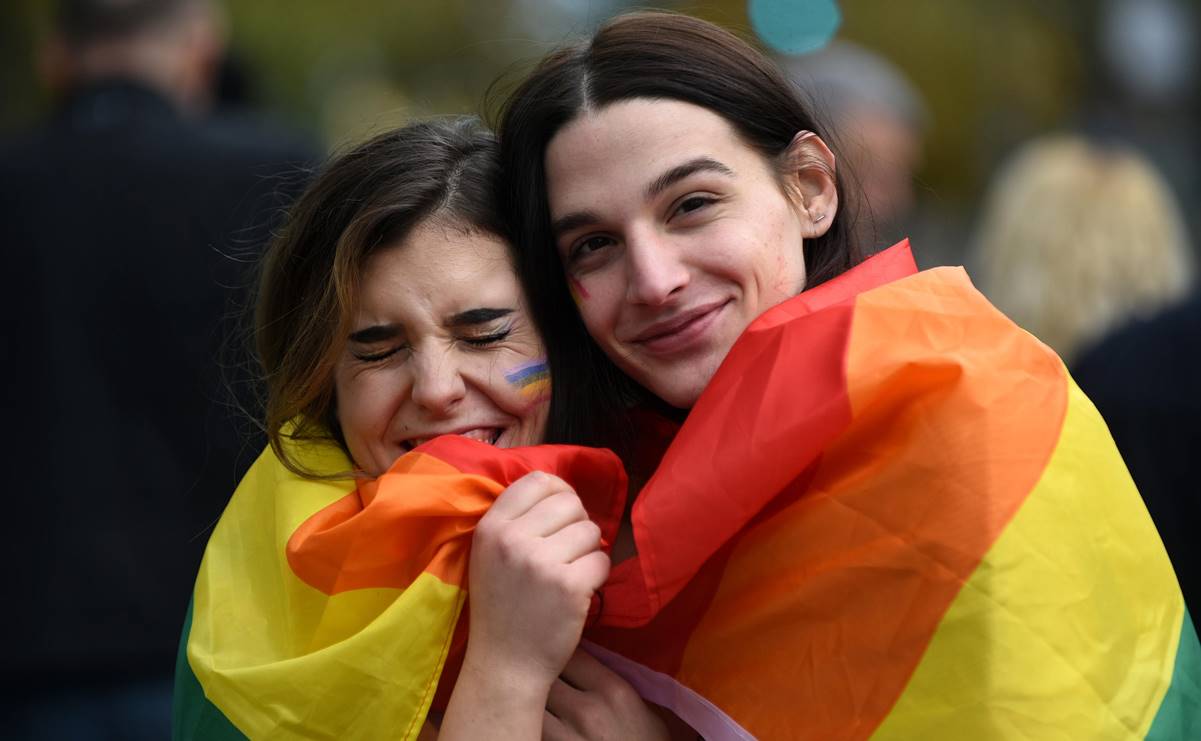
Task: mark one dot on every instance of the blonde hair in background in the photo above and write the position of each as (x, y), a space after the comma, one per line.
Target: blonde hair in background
(1078, 238)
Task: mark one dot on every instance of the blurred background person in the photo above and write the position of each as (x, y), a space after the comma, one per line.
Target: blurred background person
(1079, 236)
(1145, 379)
(881, 120)
(1082, 240)
(118, 219)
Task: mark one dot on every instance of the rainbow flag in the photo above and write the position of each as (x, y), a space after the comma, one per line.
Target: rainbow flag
(891, 515)
(326, 610)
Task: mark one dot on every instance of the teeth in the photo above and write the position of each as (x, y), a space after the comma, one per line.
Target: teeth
(487, 435)
(482, 434)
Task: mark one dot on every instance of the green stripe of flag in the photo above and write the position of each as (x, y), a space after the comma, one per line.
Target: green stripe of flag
(193, 716)
(1179, 715)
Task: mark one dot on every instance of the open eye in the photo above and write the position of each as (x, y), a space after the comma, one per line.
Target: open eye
(694, 203)
(589, 245)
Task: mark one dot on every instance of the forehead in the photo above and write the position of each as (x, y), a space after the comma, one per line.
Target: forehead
(626, 144)
(438, 267)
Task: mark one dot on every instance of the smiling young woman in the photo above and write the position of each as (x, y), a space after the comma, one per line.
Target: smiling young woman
(854, 434)
(440, 324)
(676, 242)
(391, 326)
(688, 164)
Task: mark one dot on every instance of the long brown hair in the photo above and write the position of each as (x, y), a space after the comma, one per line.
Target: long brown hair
(365, 199)
(637, 55)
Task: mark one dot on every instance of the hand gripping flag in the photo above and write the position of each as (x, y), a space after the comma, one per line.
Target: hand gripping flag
(890, 515)
(325, 611)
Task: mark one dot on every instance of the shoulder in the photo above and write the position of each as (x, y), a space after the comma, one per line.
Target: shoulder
(1146, 359)
(257, 139)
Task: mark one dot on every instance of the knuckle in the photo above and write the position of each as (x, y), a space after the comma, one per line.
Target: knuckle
(618, 694)
(485, 531)
(591, 717)
(508, 546)
(591, 529)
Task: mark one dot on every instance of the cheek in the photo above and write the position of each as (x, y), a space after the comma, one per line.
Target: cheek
(598, 296)
(579, 292)
(780, 264)
(364, 408)
(527, 384)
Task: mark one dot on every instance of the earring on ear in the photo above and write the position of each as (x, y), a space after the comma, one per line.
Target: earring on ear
(818, 218)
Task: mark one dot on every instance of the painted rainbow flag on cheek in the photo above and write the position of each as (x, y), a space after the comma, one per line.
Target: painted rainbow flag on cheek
(531, 379)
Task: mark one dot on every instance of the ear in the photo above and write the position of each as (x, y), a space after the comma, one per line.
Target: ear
(808, 168)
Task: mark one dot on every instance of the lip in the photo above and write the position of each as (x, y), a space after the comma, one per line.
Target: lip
(682, 331)
(498, 431)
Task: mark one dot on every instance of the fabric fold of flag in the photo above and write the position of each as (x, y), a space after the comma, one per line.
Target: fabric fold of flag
(903, 521)
(325, 610)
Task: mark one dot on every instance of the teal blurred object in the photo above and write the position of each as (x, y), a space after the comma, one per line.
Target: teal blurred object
(794, 26)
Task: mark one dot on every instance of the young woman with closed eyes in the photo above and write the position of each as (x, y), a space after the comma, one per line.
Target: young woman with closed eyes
(390, 314)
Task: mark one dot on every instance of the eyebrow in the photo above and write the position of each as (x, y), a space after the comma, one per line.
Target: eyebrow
(375, 333)
(573, 221)
(577, 219)
(679, 172)
(471, 317)
(476, 316)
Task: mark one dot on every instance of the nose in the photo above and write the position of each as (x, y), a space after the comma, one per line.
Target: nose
(438, 384)
(655, 267)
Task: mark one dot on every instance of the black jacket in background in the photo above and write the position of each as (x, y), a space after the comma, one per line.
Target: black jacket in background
(1146, 381)
(119, 222)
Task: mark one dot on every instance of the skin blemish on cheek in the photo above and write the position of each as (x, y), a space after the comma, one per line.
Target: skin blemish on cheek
(531, 379)
(578, 292)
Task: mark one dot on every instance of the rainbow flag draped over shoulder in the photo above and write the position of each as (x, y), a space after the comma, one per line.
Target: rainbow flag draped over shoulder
(890, 515)
(904, 521)
(327, 611)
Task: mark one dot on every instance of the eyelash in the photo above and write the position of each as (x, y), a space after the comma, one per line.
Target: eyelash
(578, 250)
(376, 357)
(482, 341)
(702, 200)
(487, 340)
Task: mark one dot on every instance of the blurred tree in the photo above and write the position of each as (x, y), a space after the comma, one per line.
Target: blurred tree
(993, 73)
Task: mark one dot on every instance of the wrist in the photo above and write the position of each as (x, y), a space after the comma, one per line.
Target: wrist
(513, 680)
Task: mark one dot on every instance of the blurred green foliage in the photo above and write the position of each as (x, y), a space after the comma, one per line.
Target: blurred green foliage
(993, 73)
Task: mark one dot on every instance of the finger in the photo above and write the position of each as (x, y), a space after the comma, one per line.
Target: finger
(584, 671)
(524, 493)
(554, 729)
(562, 699)
(592, 570)
(573, 541)
(554, 513)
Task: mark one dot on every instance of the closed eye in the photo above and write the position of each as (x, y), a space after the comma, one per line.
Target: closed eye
(375, 357)
(486, 340)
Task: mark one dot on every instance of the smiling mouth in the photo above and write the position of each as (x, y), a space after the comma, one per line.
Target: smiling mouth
(680, 333)
(489, 435)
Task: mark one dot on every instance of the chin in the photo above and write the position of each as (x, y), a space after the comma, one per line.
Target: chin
(680, 396)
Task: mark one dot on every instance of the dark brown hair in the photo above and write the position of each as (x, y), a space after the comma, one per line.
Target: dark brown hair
(370, 197)
(637, 55)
